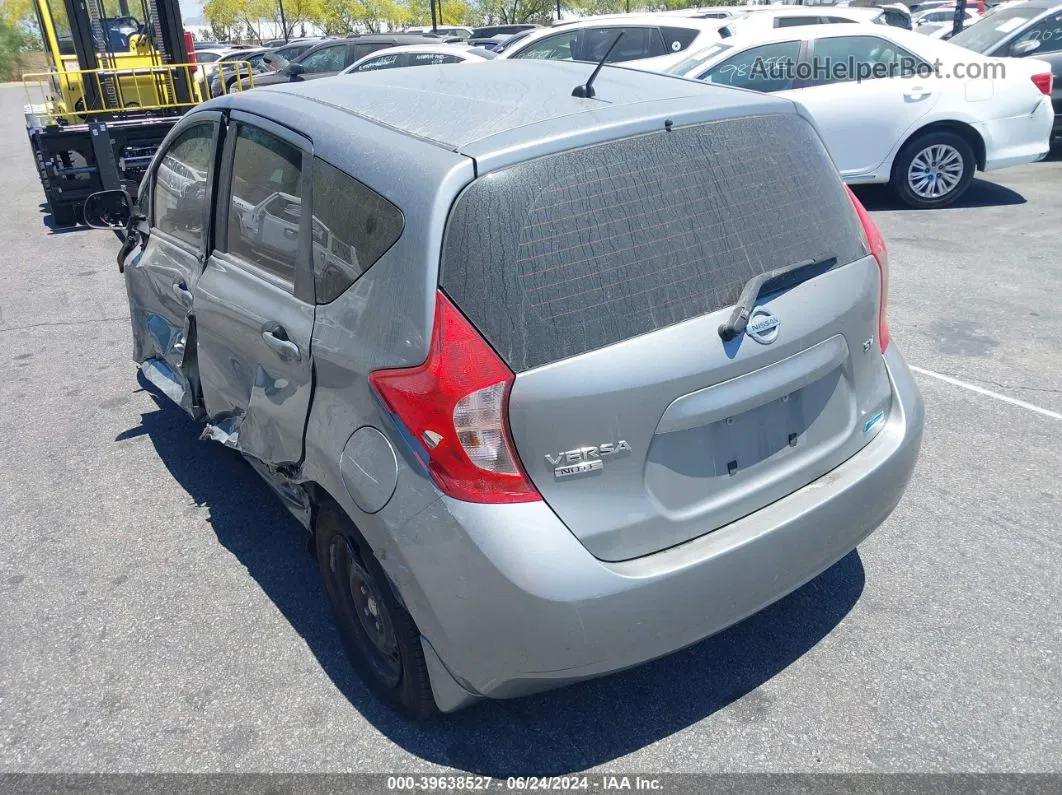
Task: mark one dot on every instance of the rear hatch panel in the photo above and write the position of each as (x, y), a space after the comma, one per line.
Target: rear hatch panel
(689, 408)
(602, 275)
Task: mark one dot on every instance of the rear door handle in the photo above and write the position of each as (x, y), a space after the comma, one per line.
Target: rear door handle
(182, 293)
(916, 94)
(277, 339)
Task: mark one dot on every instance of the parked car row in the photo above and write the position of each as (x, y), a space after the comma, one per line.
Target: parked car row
(893, 107)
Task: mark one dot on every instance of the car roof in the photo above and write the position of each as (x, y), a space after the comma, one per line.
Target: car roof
(614, 20)
(814, 11)
(919, 43)
(620, 20)
(449, 49)
(480, 110)
(254, 51)
(460, 50)
(383, 38)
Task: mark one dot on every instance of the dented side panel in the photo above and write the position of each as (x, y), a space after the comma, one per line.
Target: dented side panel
(256, 392)
(159, 279)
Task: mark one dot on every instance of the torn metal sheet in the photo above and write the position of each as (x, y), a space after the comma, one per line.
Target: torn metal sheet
(225, 431)
(161, 376)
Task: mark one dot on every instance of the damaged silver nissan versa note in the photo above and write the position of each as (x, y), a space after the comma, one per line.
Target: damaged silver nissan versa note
(560, 384)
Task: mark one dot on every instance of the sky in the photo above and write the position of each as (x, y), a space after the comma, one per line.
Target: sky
(190, 10)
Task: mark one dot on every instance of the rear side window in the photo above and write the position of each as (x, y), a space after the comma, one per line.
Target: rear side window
(327, 59)
(882, 57)
(575, 251)
(677, 39)
(383, 62)
(361, 50)
(352, 228)
(432, 58)
(767, 68)
(796, 22)
(266, 205)
(636, 43)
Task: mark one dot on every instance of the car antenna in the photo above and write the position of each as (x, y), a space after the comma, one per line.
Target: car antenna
(586, 90)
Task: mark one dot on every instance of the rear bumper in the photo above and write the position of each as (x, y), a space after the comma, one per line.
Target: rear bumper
(513, 603)
(1018, 140)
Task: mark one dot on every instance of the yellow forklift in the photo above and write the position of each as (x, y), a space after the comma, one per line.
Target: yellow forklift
(120, 77)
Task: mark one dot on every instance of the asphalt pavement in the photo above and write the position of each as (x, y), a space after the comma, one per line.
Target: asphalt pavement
(159, 610)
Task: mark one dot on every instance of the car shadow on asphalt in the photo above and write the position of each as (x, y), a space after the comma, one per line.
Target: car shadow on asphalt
(981, 193)
(558, 732)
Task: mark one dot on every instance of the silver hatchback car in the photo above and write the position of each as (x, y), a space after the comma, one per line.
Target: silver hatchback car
(560, 384)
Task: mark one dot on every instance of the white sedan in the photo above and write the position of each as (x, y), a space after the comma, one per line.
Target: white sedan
(418, 55)
(923, 131)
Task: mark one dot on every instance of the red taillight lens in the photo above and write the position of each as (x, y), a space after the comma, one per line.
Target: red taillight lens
(455, 405)
(189, 44)
(1043, 82)
(877, 247)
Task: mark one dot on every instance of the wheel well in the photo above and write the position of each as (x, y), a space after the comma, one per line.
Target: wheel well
(319, 496)
(962, 129)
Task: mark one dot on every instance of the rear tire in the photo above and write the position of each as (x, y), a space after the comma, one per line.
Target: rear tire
(933, 170)
(379, 636)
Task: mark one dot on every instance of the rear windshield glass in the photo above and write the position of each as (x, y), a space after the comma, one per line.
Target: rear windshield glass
(575, 251)
(995, 27)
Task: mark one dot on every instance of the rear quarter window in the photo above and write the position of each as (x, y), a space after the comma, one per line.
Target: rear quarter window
(677, 39)
(353, 226)
(575, 251)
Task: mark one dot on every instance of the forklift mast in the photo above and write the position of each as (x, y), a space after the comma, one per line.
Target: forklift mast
(103, 117)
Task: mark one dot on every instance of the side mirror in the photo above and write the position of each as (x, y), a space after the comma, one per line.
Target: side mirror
(108, 209)
(1018, 49)
(295, 70)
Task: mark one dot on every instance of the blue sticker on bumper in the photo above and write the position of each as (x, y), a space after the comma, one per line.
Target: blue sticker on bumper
(869, 424)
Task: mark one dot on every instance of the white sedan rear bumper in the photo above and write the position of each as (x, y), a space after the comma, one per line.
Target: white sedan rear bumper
(1018, 139)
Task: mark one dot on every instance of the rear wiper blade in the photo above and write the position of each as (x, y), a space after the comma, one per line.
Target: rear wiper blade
(779, 279)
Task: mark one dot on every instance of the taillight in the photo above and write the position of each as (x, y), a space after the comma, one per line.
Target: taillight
(189, 45)
(455, 405)
(877, 247)
(1043, 82)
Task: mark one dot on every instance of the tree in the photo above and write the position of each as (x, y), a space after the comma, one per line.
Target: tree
(241, 16)
(13, 42)
(295, 11)
(224, 17)
(380, 15)
(20, 18)
(16, 13)
(454, 12)
(514, 12)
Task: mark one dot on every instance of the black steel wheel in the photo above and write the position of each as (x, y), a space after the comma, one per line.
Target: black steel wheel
(379, 636)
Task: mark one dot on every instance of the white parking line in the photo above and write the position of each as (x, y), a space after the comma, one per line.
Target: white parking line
(989, 393)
